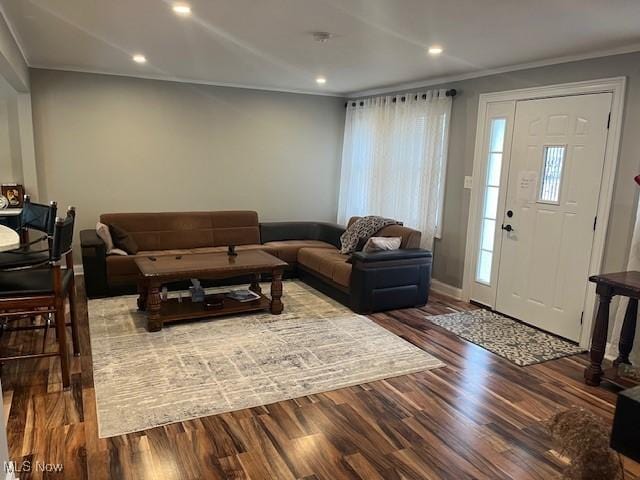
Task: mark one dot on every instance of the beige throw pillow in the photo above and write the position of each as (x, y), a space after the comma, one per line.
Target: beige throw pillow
(376, 244)
(102, 230)
(105, 235)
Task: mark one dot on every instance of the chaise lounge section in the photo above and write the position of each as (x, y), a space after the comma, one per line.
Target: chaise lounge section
(365, 282)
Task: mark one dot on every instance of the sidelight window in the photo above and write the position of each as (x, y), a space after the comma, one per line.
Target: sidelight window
(491, 194)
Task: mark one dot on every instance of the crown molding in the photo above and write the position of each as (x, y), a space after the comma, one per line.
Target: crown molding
(167, 78)
(493, 71)
(14, 34)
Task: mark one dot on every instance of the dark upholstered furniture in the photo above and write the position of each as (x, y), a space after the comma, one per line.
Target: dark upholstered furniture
(366, 282)
(34, 217)
(44, 289)
(625, 436)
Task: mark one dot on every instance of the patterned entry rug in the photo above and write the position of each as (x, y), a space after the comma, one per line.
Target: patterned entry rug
(515, 341)
(200, 368)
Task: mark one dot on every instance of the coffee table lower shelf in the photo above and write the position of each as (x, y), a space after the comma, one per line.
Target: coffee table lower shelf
(172, 310)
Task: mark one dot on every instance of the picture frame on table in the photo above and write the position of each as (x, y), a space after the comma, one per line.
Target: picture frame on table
(14, 193)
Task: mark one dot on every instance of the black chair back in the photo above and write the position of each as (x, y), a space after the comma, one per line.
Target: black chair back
(63, 235)
(36, 216)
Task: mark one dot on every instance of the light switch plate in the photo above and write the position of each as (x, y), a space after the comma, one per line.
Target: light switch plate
(468, 182)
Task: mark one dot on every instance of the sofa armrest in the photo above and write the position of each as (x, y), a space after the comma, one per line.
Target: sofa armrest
(389, 280)
(391, 255)
(90, 239)
(94, 263)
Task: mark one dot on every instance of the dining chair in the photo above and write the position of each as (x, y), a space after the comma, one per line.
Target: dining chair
(38, 217)
(42, 289)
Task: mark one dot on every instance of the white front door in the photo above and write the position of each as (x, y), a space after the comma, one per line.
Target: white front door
(555, 172)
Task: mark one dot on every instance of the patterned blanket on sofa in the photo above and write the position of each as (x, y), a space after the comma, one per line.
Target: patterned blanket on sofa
(361, 230)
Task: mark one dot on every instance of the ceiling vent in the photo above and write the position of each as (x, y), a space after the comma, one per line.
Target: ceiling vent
(322, 37)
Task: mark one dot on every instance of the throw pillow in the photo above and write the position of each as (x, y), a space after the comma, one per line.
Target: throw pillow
(103, 232)
(362, 228)
(122, 239)
(376, 244)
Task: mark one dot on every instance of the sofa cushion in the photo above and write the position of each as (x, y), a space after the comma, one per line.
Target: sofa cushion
(122, 240)
(376, 244)
(159, 253)
(342, 274)
(358, 232)
(240, 248)
(125, 265)
(329, 263)
(163, 231)
(224, 249)
(235, 228)
(171, 230)
(103, 232)
(208, 250)
(118, 266)
(287, 250)
(410, 237)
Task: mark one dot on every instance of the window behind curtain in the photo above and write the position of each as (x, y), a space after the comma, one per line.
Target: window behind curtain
(394, 160)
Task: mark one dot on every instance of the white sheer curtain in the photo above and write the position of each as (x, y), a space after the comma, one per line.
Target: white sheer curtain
(633, 264)
(394, 160)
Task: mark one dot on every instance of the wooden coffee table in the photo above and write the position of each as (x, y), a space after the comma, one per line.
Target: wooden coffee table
(160, 270)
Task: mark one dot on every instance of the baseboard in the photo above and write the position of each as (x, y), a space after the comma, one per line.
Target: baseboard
(446, 289)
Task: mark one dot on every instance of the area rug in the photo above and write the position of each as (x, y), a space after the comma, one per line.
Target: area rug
(518, 343)
(201, 368)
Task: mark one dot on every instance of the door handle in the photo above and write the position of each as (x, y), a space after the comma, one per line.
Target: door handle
(507, 227)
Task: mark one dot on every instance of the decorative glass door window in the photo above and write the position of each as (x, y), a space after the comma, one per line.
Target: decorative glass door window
(551, 178)
(491, 193)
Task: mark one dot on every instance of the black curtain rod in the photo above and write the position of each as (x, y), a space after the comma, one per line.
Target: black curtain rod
(449, 93)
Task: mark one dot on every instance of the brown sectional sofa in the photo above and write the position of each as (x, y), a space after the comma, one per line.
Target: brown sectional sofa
(365, 282)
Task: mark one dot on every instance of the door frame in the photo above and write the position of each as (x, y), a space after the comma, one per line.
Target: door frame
(616, 86)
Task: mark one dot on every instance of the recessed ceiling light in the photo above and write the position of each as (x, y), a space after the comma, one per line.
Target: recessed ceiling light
(182, 9)
(435, 50)
(139, 58)
(321, 80)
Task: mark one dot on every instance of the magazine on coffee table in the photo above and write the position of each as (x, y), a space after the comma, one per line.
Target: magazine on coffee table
(243, 295)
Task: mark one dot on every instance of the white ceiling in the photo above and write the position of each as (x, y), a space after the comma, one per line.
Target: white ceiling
(267, 43)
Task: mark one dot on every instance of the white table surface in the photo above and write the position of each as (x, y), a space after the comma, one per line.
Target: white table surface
(9, 239)
(10, 212)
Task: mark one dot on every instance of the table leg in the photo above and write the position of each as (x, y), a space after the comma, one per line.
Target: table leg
(627, 333)
(154, 322)
(593, 372)
(255, 284)
(276, 293)
(142, 295)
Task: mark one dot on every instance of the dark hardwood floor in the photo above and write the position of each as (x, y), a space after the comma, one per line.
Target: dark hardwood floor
(478, 417)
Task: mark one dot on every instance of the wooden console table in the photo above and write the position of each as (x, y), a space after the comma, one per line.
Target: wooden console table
(626, 284)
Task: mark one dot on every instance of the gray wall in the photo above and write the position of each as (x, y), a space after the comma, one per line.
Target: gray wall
(109, 143)
(449, 251)
(117, 144)
(13, 67)
(10, 153)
